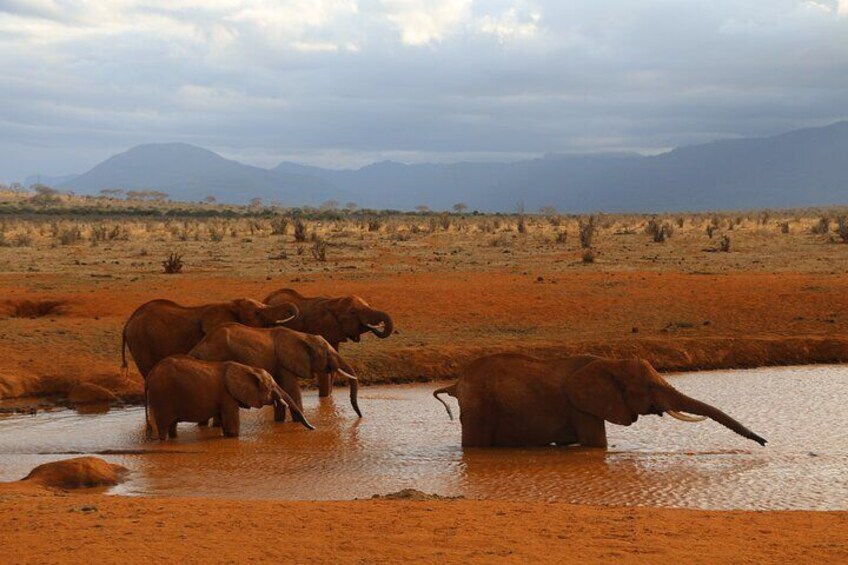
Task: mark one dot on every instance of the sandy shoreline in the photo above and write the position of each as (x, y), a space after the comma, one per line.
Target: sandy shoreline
(111, 529)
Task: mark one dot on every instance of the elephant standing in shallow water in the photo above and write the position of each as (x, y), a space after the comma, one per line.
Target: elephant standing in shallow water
(335, 319)
(185, 389)
(286, 354)
(517, 400)
(160, 328)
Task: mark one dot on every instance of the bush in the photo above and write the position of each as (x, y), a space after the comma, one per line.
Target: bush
(842, 229)
(724, 244)
(279, 226)
(522, 226)
(70, 236)
(588, 255)
(784, 227)
(822, 227)
(299, 230)
(587, 233)
(173, 264)
(319, 250)
(561, 237)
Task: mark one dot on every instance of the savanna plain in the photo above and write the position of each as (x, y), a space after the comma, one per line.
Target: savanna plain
(687, 291)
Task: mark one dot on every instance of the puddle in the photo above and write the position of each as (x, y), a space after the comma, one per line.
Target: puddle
(407, 441)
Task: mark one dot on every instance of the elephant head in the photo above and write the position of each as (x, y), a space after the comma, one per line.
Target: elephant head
(248, 312)
(252, 387)
(619, 391)
(353, 317)
(316, 355)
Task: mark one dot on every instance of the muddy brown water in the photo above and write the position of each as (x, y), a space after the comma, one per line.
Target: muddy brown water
(405, 440)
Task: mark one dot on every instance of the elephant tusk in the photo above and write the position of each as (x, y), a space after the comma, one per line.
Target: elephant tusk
(348, 375)
(685, 417)
(283, 321)
(374, 328)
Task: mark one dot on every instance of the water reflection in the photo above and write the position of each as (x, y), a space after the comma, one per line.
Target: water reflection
(406, 441)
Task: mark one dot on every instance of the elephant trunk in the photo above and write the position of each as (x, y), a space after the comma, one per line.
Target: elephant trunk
(354, 390)
(683, 403)
(281, 397)
(378, 318)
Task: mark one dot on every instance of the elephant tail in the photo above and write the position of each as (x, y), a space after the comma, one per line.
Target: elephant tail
(124, 366)
(451, 390)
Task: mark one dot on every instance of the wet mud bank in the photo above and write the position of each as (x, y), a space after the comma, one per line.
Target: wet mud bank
(416, 364)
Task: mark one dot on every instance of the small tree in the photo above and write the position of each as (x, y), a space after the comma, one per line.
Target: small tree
(112, 192)
(587, 232)
(460, 207)
(351, 206)
(255, 202)
(422, 208)
(210, 199)
(329, 206)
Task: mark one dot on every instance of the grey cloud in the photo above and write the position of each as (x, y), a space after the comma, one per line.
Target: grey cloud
(590, 77)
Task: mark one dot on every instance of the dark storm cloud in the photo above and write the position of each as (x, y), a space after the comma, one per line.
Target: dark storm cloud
(340, 82)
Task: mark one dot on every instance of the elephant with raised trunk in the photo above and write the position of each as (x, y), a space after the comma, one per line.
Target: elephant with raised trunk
(160, 328)
(288, 355)
(517, 400)
(184, 389)
(335, 319)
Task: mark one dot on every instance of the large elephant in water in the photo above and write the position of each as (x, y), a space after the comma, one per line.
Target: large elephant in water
(516, 400)
(288, 355)
(335, 319)
(160, 328)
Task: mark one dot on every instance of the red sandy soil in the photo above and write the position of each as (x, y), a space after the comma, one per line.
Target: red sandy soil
(679, 321)
(94, 528)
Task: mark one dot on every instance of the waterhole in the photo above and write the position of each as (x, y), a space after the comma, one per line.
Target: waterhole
(405, 440)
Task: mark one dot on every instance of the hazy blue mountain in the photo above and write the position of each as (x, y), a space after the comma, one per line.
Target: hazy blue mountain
(191, 173)
(48, 180)
(800, 168)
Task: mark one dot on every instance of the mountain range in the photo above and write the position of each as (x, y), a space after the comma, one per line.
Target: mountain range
(804, 167)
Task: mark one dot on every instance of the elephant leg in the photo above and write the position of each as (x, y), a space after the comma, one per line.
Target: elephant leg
(325, 384)
(280, 412)
(203, 424)
(172, 430)
(229, 415)
(591, 430)
(216, 422)
(476, 431)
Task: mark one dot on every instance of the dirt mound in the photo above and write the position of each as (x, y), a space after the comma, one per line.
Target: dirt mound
(33, 308)
(413, 494)
(90, 393)
(79, 472)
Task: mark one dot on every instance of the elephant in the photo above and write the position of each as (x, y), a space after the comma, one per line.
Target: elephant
(516, 400)
(184, 389)
(160, 328)
(335, 319)
(286, 354)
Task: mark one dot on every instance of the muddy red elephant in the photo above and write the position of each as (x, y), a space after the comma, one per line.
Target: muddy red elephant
(160, 328)
(517, 400)
(336, 319)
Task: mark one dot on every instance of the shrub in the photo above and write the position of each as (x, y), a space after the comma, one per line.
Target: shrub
(70, 236)
(588, 255)
(279, 226)
(216, 234)
(587, 233)
(711, 230)
(522, 226)
(173, 264)
(561, 237)
(374, 225)
(319, 249)
(724, 244)
(500, 241)
(299, 230)
(822, 227)
(842, 229)
(784, 227)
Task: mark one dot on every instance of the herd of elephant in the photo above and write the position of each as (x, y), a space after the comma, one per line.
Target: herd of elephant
(206, 362)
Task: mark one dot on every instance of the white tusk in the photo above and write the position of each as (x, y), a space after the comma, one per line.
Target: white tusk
(378, 328)
(348, 375)
(290, 318)
(685, 417)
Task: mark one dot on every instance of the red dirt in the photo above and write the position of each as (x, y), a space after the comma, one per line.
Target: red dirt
(678, 321)
(109, 529)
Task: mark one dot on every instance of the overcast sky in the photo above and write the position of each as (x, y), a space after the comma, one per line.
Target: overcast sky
(346, 82)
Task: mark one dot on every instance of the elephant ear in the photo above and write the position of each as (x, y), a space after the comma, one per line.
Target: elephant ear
(215, 316)
(300, 359)
(246, 385)
(601, 389)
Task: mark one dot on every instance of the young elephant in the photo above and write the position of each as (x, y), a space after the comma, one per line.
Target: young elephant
(286, 354)
(516, 400)
(185, 389)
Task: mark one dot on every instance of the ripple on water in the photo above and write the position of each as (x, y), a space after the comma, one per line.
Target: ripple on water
(406, 440)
